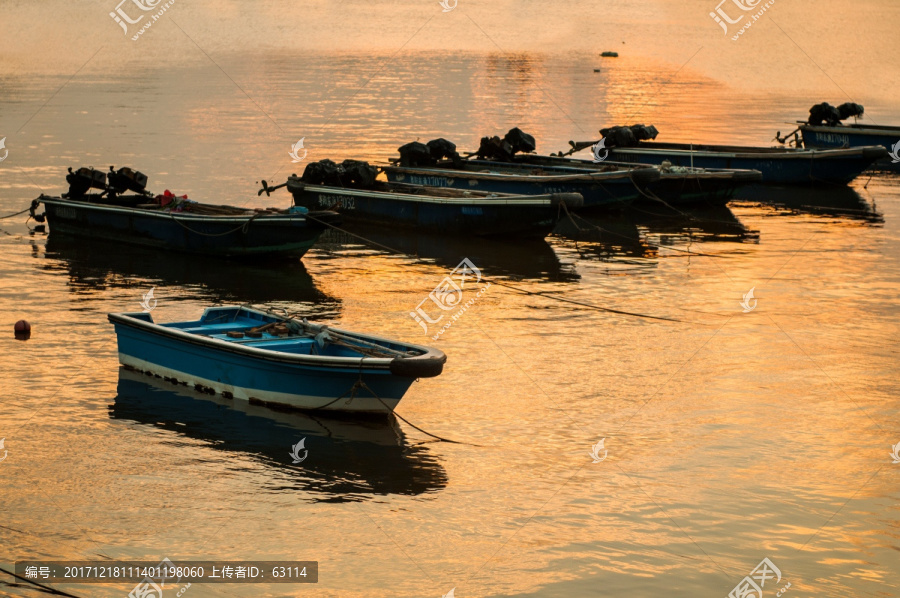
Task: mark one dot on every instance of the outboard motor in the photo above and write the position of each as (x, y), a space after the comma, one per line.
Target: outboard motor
(416, 154)
(350, 173)
(849, 109)
(126, 179)
(84, 179)
(628, 136)
(520, 141)
(441, 148)
(824, 113)
(357, 173)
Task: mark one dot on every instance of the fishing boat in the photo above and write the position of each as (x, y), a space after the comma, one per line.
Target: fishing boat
(854, 135)
(607, 187)
(265, 358)
(824, 129)
(444, 210)
(125, 212)
(778, 165)
(677, 185)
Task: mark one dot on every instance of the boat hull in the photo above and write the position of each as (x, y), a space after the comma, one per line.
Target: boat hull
(823, 137)
(778, 166)
(501, 216)
(297, 381)
(699, 187)
(614, 191)
(268, 234)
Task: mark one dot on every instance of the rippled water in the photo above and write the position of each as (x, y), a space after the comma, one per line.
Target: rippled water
(731, 436)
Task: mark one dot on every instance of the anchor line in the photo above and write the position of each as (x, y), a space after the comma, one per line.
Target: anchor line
(506, 285)
(49, 589)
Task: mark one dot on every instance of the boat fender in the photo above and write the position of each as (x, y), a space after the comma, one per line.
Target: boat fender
(321, 338)
(572, 201)
(417, 367)
(875, 152)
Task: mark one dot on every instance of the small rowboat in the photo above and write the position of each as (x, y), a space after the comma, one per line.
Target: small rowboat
(445, 210)
(677, 185)
(127, 213)
(264, 358)
(610, 187)
(778, 165)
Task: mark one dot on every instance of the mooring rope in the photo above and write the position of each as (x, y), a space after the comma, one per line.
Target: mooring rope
(16, 214)
(503, 284)
(50, 589)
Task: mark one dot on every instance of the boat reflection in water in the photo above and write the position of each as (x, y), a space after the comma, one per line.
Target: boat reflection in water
(636, 235)
(835, 202)
(607, 237)
(348, 459)
(521, 259)
(100, 265)
(695, 224)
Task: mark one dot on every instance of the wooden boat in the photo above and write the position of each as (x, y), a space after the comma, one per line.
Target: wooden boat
(778, 165)
(677, 185)
(854, 135)
(445, 210)
(264, 358)
(175, 223)
(607, 187)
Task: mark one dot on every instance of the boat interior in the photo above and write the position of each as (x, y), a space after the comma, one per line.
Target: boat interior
(284, 335)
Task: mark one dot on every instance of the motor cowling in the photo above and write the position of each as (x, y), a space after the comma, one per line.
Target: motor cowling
(83, 180)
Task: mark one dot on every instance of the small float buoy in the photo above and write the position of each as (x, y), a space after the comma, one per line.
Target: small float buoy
(23, 330)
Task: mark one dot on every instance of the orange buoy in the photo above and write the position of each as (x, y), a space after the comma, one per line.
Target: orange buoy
(23, 330)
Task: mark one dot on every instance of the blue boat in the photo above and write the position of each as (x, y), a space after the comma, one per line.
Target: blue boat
(778, 165)
(264, 358)
(125, 212)
(611, 187)
(443, 210)
(855, 135)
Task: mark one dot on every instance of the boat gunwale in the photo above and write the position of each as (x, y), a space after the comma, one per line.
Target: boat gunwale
(268, 217)
(699, 173)
(525, 178)
(507, 199)
(370, 363)
(727, 151)
(859, 129)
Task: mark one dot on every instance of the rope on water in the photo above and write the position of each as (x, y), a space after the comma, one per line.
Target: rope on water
(16, 214)
(50, 589)
(509, 286)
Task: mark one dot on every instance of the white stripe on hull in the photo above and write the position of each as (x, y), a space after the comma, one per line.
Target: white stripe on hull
(364, 403)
